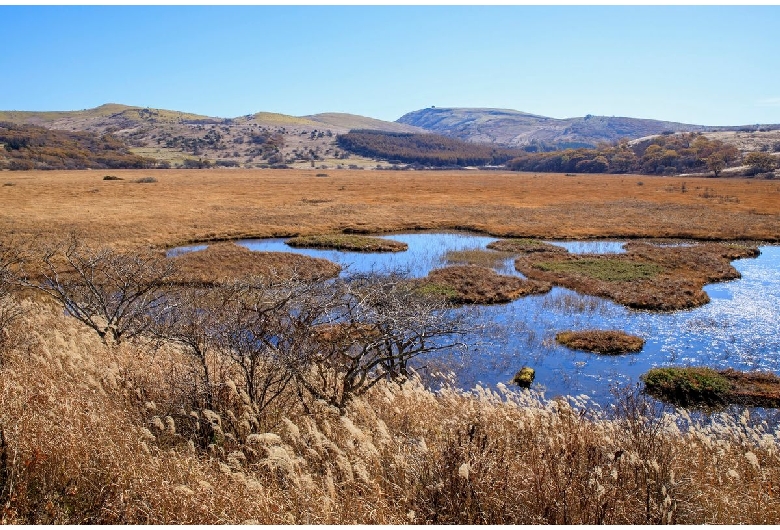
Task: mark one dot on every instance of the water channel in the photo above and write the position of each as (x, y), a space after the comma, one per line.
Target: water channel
(737, 329)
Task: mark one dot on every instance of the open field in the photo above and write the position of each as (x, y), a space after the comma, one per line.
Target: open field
(202, 205)
(189, 424)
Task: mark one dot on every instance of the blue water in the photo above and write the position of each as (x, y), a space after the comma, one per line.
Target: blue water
(737, 329)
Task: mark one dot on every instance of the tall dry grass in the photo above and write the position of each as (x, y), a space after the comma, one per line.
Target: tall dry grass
(99, 434)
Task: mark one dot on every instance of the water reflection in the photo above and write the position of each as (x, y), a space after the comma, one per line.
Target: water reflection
(738, 328)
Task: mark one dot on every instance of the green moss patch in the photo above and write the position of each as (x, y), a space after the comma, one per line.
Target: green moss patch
(647, 276)
(349, 242)
(605, 269)
(606, 342)
(469, 284)
(700, 386)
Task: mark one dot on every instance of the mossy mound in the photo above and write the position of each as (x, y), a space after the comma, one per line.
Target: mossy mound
(524, 377)
(469, 284)
(606, 342)
(349, 242)
(701, 386)
(645, 277)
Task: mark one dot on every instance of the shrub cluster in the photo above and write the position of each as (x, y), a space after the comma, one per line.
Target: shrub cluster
(422, 149)
(33, 147)
(661, 155)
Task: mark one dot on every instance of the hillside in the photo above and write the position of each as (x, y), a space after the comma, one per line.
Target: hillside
(32, 147)
(515, 128)
(347, 122)
(263, 139)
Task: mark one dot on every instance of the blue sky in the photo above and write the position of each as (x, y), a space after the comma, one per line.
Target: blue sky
(711, 65)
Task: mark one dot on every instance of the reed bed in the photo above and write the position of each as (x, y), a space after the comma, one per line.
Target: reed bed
(186, 206)
(97, 434)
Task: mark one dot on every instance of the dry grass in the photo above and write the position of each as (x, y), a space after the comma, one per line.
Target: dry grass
(347, 242)
(94, 434)
(606, 342)
(492, 259)
(645, 277)
(470, 284)
(207, 205)
(524, 246)
(223, 262)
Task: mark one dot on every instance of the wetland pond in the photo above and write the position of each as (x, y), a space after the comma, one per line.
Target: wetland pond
(738, 328)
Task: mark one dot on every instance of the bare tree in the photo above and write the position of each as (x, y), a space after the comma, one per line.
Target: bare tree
(115, 294)
(380, 324)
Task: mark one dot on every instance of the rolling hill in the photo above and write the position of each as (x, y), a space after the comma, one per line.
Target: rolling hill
(518, 129)
(266, 139)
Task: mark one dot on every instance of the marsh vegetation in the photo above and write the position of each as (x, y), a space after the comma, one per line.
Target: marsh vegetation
(284, 391)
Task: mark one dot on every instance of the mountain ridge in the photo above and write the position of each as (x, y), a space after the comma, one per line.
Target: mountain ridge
(518, 128)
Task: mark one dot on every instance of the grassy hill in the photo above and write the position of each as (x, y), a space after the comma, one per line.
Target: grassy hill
(346, 122)
(263, 139)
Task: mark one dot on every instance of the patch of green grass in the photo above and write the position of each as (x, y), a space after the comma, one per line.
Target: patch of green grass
(351, 242)
(695, 385)
(605, 269)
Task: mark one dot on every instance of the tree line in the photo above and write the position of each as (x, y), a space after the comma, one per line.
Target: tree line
(667, 154)
(422, 149)
(25, 147)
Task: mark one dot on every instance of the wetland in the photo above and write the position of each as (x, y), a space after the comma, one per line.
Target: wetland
(732, 324)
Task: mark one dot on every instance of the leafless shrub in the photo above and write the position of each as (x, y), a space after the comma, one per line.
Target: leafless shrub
(114, 294)
(380, 324)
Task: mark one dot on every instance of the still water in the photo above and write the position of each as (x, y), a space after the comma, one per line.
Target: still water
(737, 329)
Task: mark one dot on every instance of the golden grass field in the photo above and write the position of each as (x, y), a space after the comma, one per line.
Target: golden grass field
(200, 205)
(93, 431)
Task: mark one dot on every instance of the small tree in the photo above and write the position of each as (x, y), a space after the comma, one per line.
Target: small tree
(380, 324)
(760, 162)
(114, 294)
(716, 163)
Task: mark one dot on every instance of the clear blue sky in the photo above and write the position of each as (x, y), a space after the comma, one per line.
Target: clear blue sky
(710, 65)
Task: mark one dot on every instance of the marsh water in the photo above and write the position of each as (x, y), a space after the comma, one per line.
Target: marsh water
(737, 329)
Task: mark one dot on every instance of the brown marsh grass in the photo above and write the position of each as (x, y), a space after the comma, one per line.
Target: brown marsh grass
(606, 342)
(207, 205)
(99, 434)
(701, 386)
(645, 277)
(348, 242)
(224, 262)
(471, 284)
(491, 259)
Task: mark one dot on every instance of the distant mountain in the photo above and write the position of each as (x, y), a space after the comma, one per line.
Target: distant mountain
(267, 139)
(517, 129)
